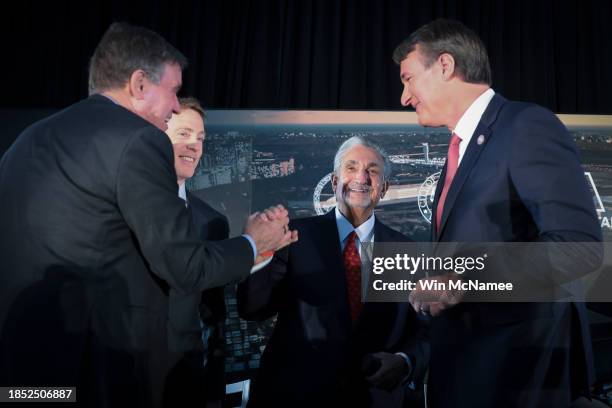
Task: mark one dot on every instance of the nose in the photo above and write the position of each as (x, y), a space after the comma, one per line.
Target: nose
(406, 96)
(194, 144)
(362, 176)
(176, 106)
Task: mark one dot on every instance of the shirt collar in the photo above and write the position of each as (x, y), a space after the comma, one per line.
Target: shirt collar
(109, 98)
(364, 231)
(469, 120)
(182, 192)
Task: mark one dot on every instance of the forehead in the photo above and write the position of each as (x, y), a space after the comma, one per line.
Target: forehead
(362, 155)
(414, 62)
(187, 118)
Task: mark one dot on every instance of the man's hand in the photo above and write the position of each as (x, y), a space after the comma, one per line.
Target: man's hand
(269, 230)
(391, 369)
(433, 302)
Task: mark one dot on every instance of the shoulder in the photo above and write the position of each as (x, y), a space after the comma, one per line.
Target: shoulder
(384, 233)
(312, 222)
(519, 113)
(203, 207)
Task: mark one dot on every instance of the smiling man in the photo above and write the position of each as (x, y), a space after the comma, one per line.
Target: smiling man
(328, 348)
(512, 174)
(186, 132)
(198, 378)
(94, 235)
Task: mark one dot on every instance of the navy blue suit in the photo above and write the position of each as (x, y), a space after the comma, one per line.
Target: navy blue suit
(523, 182)
(314, 356)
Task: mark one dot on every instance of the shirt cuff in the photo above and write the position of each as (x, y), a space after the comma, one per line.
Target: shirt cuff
(261, 265)
(253, 246)
(408, 363)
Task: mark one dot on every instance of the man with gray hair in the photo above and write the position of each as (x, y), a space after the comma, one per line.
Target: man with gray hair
(328, 348)
(94, 234)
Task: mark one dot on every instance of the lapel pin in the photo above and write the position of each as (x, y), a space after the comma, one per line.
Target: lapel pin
(480, 140)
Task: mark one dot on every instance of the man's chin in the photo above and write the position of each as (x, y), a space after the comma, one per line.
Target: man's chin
(361, 204)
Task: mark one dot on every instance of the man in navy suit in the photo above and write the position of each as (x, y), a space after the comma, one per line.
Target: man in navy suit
(328, 348)
(512, 175)
(197, 378)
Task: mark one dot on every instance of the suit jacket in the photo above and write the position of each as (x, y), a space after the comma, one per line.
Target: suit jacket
(190, 382)
(314, 355)
(93, 235)
(522, 183)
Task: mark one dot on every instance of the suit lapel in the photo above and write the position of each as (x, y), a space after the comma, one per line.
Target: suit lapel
(434, 210)
(482, 134)
(377, 316)
(327, 243)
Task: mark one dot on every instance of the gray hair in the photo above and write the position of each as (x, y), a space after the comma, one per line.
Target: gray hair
(449, 36)
(125, 48)
(361, 141)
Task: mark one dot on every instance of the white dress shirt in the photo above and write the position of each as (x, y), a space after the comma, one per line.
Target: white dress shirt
(365, 232)
(469, 120)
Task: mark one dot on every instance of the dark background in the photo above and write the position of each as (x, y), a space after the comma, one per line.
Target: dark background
(319, 54)
(310, 54)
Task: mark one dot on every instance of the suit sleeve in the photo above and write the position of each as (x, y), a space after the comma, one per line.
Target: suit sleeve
(545, 171)
(147, 197)
(415, 344)
(415, 340)
(260, 296)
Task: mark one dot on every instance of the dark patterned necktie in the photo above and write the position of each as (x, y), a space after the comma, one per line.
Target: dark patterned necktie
(352, 267)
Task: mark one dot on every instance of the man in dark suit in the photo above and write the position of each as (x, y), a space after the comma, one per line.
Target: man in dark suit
(328, 348)
(93, 234)
(512, 175)
(197, 379)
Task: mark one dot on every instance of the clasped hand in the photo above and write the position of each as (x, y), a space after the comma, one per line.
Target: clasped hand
(270, 230)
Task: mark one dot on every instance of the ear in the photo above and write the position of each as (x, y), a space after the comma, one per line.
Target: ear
(384, 189)
(138, 83)
(447, 62)
(334, 182)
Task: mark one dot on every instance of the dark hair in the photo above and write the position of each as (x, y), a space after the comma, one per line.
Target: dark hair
(452, 37)
(125, 48)
(192, 103)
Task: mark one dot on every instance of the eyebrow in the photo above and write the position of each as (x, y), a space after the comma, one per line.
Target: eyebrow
(370, 164)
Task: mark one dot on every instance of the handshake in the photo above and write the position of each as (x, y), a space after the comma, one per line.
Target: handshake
(270, 231)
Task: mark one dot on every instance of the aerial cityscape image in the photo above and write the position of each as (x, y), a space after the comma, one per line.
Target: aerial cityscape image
(254, 159)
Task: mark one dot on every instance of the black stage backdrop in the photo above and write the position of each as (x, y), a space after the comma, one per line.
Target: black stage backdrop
(319, 54)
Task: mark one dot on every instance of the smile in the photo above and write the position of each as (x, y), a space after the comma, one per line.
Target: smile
(359, 190)
(187, 159)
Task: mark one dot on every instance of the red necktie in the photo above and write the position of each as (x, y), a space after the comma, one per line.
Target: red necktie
(352, 267)
(452, 162)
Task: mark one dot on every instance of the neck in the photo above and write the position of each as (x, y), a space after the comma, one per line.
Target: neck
(356, 216)
(466, 94)
(120, 97)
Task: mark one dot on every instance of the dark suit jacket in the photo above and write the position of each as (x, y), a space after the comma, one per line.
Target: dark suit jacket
(524, 183)
(314, 355)
(190, 383)
(93, 234)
